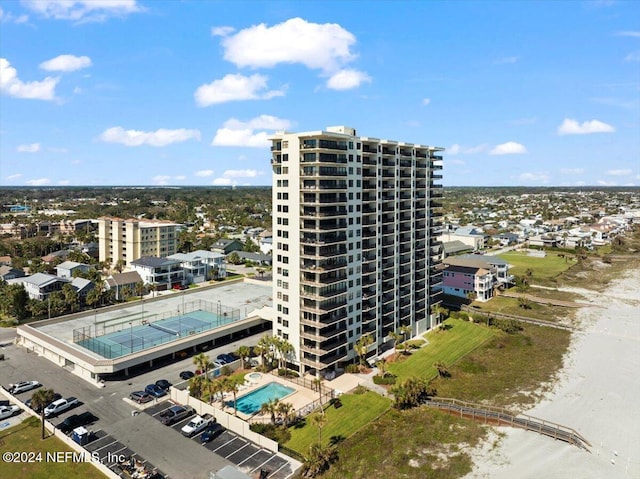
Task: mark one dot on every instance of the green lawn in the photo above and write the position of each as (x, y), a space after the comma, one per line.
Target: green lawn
(25, 437)
(357, 410)
(543, 268)
(502, 304)
(446, 345)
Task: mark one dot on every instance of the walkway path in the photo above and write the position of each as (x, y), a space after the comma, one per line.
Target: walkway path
(505, 418)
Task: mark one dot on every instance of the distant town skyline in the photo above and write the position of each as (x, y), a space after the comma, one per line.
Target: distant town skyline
(187, 93)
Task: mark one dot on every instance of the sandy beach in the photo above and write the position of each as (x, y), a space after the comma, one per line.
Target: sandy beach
(597, 394)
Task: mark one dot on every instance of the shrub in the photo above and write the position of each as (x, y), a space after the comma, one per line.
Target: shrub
(288, 373)
(352, 368)
(336, 403)
(280, 434)
(388, 379)
(360, 390)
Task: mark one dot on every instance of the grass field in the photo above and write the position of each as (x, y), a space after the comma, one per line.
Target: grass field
(502, 370)
(413, 444)
(543, 269)
(502, 304)
(446, 345)
(25, 437)
(357, 410)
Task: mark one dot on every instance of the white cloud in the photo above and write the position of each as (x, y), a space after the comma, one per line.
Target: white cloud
(237, 133)
(161, 137)
(503, 60)
(31, 148)
(454, 149)
(426, 101)
(632, 57)
(63, 182)
(14, 177)
(66, 63)
(83, 10)
(628, 34)
(572, 127)
(234, 88)
(38, 182)
(161, 179)
(221, 31)
(180, 177)
(538, 177)
(241, 173)
(11, 85)
(324, 47)
(572, 171)
(347, 79)
(204, 173)
(9, 17)
(222, 182)
(508, 148)
(622, 172)
(606, 183)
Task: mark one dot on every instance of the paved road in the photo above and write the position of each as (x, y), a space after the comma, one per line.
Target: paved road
(141, 433)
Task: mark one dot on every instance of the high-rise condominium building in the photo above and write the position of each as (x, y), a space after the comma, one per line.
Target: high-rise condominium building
(355, 241)
(131, 239)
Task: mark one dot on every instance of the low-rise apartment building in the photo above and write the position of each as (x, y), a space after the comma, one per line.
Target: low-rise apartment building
(163, 273)
(201, 265)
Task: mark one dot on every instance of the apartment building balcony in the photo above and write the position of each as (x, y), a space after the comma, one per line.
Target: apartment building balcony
(323, 211)
(323, 225)
(325, 361)
(369, 185)
(323, 171)
(322, 348)
(369, 220)
(276, 161)
(369, 328)
(369, 172)
(406, 153)
(387, 298)
(368, 209)
(388, 203)
(323, 185)
(324, 265)
(388, 230)
(388, 308)
(322, 238)
(405, 217)
(437, 194)
(405, 259)
(327, 306)
(388, 218)
(421, 154)
(321, 321)
(276, 146)
(388, 151)
(324, 278)
(322, 199)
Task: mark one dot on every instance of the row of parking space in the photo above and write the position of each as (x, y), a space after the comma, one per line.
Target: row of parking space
(246, 455)
(119, 458)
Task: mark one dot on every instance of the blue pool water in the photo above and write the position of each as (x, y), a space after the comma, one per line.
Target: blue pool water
(252, 402)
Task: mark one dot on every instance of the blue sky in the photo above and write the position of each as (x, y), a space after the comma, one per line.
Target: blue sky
(108, 92)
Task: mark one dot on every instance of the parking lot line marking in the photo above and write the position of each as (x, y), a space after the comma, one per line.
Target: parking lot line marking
(236, 451)
(260, 466)
(240, 463)
(228, 442)
(107, 444)
(276, 471)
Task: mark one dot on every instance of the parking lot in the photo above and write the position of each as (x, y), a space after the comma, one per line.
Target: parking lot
(244, 454)
(141, 434)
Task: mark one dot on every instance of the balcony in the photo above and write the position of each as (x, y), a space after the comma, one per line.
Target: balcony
(323, 306)
(322, 239)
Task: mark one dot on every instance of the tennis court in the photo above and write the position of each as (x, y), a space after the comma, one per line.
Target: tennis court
(134, 336)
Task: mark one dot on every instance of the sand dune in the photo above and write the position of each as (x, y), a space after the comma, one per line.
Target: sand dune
(597, 394)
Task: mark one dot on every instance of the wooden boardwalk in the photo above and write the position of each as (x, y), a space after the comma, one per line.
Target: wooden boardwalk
(502, 417)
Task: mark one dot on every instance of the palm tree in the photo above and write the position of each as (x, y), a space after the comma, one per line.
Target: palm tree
(284, 348)
(202, 363)
(317, 382)
(271, 407)
(213, 388)
(395, 337)
(319, 459)
(244, 352)
(382, 367)
(139, 289)
(318, 420)
(197, 386)
(362, 346)
(442, 369)
(285, 411)
(232, 386)
(41, 399)
(405, 331)
(120, 264)
(153, 288)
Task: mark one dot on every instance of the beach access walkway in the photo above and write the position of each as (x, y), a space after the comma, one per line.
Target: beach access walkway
(502, 417)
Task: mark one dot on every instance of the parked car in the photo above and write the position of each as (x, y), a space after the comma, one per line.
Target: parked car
(23, 386)
(140, 397)
(225, 358)
(211, 432)
(8, 411)
(155, 390)
(76, 420)
(56, 407)
(175, 414)
(56, 396)
(186, 375)
(196, 425)
(218, 364)
(163, 383)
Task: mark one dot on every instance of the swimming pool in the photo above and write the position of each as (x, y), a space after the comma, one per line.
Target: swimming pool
(252, 402)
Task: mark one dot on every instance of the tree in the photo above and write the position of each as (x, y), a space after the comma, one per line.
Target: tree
(319, 459)
(139, 289)
(243, 352)
(56, 303)
(119, 266)
(202, 364)
(382, 367)
(14, 301)
(71, 298)
(471, 296)
(395, 337)
(411, 392)
(232, 386)
(284, 348)
(317, 383)
(270, 408)
(405, 331)
(362, 347)
(94, 296)
(234, 258)
(41, 399)
(318, 420)
(286, 412)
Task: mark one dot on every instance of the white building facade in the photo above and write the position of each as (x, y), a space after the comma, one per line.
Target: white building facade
(355, 241)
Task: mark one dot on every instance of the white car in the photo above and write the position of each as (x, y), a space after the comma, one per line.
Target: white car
(8, 411)
(196, 425)
(23, 386)
(56, 407)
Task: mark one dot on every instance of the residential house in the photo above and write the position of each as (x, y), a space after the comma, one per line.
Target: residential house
(261, 259)
(226, 246)
(7, 273)
(201, 265)
(118, 282)
(5, 260)
(478, 274)
(468, 235)
(266, 242)
(450, 248)
(164, 273)
(69, 268)
(41, 285)
(60, 255)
